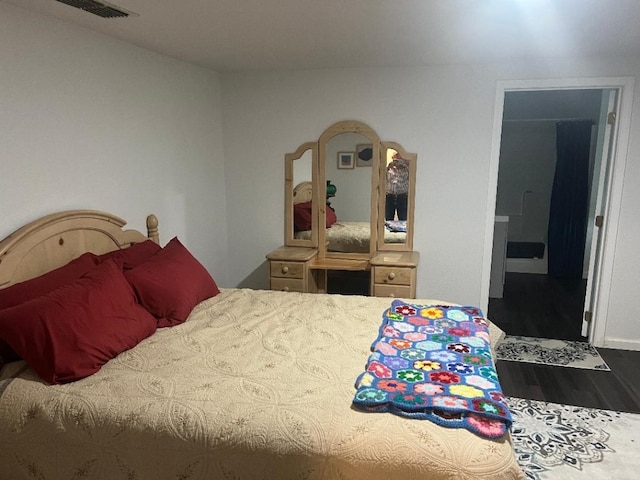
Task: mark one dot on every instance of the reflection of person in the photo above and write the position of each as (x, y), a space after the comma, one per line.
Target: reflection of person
(397, 188)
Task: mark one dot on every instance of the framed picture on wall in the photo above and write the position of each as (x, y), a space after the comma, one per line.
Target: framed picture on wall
(364, 155)
(346, 159)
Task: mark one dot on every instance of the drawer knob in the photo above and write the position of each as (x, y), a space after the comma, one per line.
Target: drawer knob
(391, 276)
(285, 269)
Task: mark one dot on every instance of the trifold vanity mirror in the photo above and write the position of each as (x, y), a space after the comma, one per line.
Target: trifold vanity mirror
(349, 206)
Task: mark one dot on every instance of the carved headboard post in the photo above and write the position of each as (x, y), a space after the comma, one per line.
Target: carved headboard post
(152, 228)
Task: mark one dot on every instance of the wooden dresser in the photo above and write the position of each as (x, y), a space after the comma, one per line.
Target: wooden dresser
(393, 274)
(289, 269)
(349, 207)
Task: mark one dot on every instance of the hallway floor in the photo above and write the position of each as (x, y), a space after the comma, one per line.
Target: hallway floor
(541, 306)
(545, 307)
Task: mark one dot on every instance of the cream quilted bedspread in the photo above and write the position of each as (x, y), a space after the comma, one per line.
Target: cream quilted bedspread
(352, 237)
(255, 385)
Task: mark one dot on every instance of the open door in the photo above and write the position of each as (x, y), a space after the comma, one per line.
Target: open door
(600, 188)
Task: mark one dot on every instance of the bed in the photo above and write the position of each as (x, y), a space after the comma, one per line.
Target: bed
(251, 385)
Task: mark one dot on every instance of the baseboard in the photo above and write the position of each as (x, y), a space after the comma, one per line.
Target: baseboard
(527, 265)
(621, 344)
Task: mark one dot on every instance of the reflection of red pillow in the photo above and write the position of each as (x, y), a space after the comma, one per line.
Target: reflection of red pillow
(134, 255)
(302, 216)
(171, 283)
(71, 332)
(331, 216)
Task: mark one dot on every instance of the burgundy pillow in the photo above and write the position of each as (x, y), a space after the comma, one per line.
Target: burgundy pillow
(331, 217)
(29, 289)
(302, 216)
(171, 283)
(35, 287)
(71, 332)
(132, 256)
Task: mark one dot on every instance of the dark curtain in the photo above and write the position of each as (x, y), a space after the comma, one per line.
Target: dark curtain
(569, 199)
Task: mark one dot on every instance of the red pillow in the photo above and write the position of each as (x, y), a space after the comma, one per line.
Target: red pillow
(171, 283)
(71, 332)
(132, 256)
(302, 216)
(35, 287)
(29, 289)
(331, 217)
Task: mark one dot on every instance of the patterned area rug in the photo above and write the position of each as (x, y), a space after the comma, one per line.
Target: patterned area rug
(562, 442)
(562, 353)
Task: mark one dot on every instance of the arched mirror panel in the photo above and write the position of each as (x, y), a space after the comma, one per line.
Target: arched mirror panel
(299, 188)
(396, 207)
(349, 160)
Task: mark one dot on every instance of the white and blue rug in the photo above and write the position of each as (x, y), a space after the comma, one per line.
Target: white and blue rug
(547, 351)
(562, 442)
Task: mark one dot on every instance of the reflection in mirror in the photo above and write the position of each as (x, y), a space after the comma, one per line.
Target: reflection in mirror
(396, 206)
(302, 169)
(396, 197)
(299, 168)
(348, 160)
(352, 202)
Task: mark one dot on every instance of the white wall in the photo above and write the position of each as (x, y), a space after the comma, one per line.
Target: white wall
(90, 122)
(445, 114)
(525, 179)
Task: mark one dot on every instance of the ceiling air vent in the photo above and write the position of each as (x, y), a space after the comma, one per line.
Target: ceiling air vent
(102, 9)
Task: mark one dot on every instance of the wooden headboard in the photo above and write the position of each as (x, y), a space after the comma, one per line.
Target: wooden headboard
(54, 240)
(303, 192)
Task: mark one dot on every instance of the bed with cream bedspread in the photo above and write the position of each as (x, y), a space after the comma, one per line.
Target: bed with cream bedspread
(255, 385)
(352, 237)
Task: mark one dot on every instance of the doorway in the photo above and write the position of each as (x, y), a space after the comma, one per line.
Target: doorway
(539, 105)
(545, 275)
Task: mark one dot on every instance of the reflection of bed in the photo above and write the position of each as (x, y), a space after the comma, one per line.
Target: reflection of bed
(352, 237)
(255, 384)
(349, 237)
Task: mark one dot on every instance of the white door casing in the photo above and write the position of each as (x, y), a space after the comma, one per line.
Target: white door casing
(611, 204)
(600, 188)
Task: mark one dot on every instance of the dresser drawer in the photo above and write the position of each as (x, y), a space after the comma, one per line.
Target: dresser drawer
(392, 275)
(402, 291)
(287, 269)
(287, 284)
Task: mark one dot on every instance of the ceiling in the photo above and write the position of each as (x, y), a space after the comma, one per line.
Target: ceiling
(236, 35)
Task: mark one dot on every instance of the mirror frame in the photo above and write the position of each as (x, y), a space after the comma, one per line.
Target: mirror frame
(346, 126)
(407, 246)
(289, 164)
(318, 151)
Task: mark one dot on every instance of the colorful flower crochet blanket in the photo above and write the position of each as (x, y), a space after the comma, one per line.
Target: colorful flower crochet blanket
(434, 362)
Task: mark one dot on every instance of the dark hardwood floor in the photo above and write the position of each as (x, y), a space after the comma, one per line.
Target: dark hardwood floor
(541, 306)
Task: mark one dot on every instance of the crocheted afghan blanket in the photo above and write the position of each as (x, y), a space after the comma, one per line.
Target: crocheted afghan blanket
(433, 362)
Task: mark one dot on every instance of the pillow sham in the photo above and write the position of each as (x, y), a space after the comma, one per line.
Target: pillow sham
(35, 287)
(303, 218)
(70, 332)
(171, 283)
(331, 217)
(132, 256)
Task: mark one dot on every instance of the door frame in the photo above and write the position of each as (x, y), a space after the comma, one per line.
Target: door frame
(612, 203)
